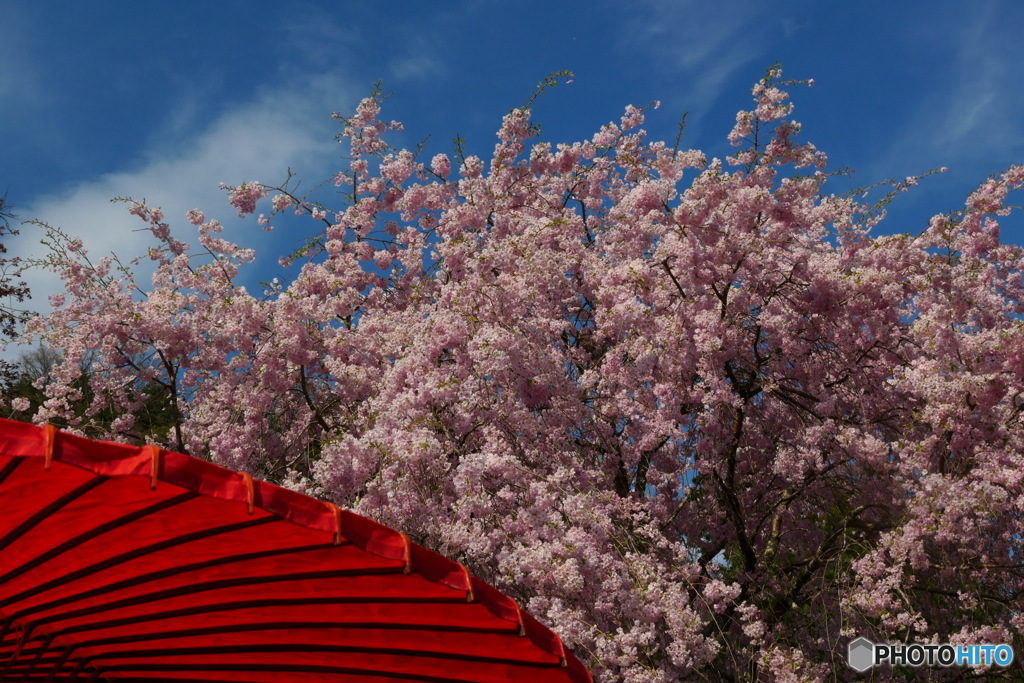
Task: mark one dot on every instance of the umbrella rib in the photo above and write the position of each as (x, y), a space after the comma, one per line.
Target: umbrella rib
(14, 618)
(10, 467)
(135, 616)
(194, 588)
(283, 625)
(390, 675)
(155, 576)
(70, 647)
(126, 557)
(285, 668)
(162, 574)
(93, 533)
(41, 514)
(256, 603)
(39, 655)
(172, 571)
(45, 654)
(35, 519)
(280, 648)
(303, 647)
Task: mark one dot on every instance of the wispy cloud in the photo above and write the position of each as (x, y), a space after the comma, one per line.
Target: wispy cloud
(971, 113)
(416, 67)
(701, 44)
(790, 27)
(258, 140)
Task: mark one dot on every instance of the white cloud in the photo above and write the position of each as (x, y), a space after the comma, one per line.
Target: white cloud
(966, 115)
(699, 43)
(416, 61)
(790, 27)
(259, 140)
(416, 68)
(971, 115)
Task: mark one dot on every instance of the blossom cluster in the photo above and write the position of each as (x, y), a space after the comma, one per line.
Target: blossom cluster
(693, 414)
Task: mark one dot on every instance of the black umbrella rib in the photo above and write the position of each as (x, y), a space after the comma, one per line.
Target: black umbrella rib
(72, 543)
(291, 625)
(202, 587)
(289, 668)
(126, 557)
(257, 603)
(10, 467)
(20, 530)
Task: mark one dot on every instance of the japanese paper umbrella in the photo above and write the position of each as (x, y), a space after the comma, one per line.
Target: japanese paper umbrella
(125, 563)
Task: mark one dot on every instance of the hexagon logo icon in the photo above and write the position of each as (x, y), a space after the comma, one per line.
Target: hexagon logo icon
(861, 654)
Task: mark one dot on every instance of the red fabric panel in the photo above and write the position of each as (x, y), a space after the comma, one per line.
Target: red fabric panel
(408, 616)
(104, 574)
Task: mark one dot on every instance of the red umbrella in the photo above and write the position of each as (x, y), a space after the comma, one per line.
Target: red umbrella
(127, 563)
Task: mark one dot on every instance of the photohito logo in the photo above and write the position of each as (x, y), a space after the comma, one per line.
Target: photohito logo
(863, 654)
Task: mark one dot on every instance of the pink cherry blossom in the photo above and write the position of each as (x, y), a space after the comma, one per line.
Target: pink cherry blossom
(701, 418)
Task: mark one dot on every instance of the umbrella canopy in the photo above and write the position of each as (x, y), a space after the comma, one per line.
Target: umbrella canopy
(127, 563)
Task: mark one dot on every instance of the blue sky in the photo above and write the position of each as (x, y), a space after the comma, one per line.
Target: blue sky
(166, 100)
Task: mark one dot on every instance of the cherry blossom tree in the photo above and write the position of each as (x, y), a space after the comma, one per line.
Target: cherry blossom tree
(696, 415)
(13, 292)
